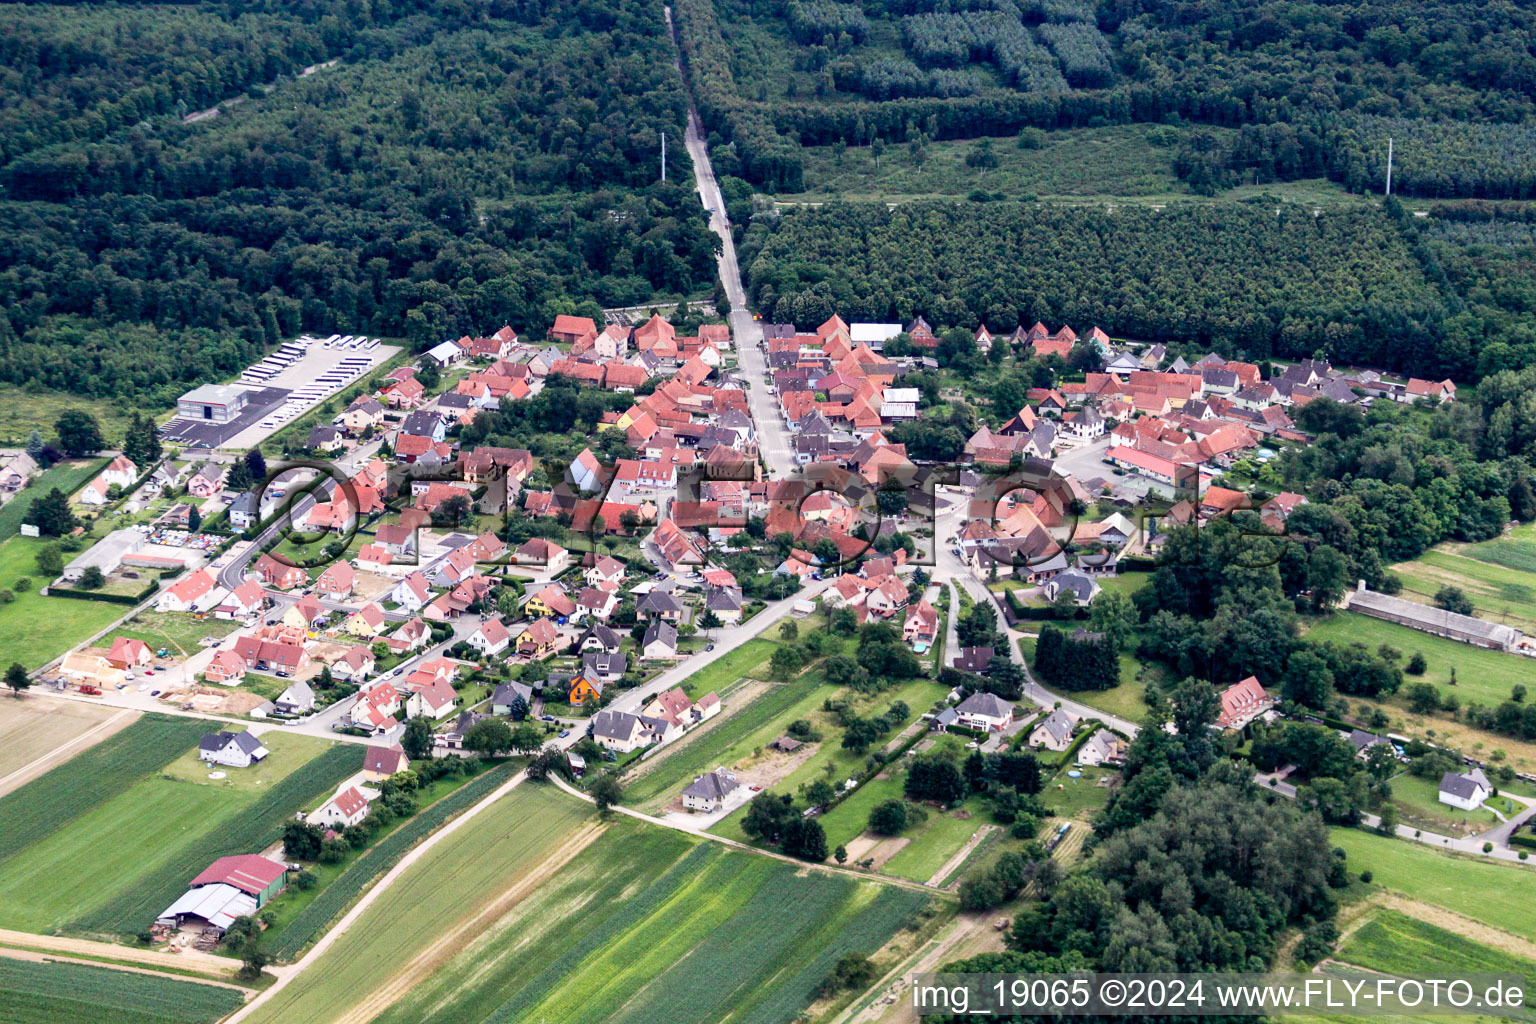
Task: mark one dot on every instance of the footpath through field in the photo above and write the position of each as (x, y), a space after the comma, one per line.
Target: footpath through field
(20, 943)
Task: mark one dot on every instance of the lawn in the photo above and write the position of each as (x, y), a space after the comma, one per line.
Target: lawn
(176, 632)
(69, 621)
(68, 477)
(1418, 803)
(937, 840)
(1481, 675)
(1080, 798)
(155, 829)
(658, 913)
(67, 993)
(1398, 944)
(29, 729)
(288, 751)
(1499, 593)
(749, 661)
(1128, 700)
(457, 880)
(1498, 894)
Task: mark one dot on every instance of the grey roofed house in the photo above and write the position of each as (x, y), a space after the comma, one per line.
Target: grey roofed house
(987, 704)
(506, 693)
(1217, 378)
(421, 422)
(604, 665)
(616, 725)
(1338, 391)
(320, 437)
(662, 631)
(946, 718)
(298, 697)
(1363, 741)
(712, 786)
(1465, 785)
(1082, 586)
(1101, 746)
(453, 401)
(722, 599)
(215, 741)
(1058, 724)
(974, 659)
(659, 602)
(606, 638)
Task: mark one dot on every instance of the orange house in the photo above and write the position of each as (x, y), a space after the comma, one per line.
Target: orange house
(583, 690)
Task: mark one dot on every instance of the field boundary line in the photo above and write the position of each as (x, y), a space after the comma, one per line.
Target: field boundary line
(900, 883)
(287, 974)
(7, 786)
(32, 956)
(381, 997)
(50, 945)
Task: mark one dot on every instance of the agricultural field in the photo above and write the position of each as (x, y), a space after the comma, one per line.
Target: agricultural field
(70, 621)
(31, 728)
(299, 917)
(166, 824)
(1395, 943)
(1481, 675)
(92, 778)
(1515, 550)
(52, 992)
(438, 907)
(1499, 591)
(658, 912)
(1499, 895)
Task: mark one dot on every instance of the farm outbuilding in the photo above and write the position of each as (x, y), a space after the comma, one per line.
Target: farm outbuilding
(228, 888)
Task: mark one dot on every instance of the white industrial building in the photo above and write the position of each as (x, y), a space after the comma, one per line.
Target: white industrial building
(212, 403)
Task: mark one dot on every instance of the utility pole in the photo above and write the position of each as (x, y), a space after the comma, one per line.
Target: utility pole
(1389, 165)
(664, 157)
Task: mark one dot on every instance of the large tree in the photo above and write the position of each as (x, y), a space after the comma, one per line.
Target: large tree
(79, 433)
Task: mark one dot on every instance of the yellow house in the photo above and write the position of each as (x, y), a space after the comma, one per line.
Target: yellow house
(367, 621)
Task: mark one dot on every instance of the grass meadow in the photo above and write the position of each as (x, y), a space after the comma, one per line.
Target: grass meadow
(69, 620)
(1497, 894)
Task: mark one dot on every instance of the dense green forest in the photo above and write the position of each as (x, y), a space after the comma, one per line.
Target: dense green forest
(1245, 278)
(1324, 84)
(463, 166)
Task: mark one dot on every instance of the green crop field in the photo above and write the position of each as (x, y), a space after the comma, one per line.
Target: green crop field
(29, 729)
(657, 913)
(1399, 944)
(92, 778)
(66, 993)
(144, 843)
(293, 930)
(1514, 550)
(1497, 894)
(1499, 592)
(450, 885)
(133, 901)
(1481, 675)
(70, 621)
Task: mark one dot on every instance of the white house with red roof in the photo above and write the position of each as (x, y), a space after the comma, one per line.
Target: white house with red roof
(435, 698)
(412, 593)
(491, 637)
(1243, 702)
(245, 602)
(194, 593)
(130, 652)
(348, 807)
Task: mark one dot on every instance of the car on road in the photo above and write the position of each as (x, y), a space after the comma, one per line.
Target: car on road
(546, 718)
(709, 648)
(564, 733)
(154, 693)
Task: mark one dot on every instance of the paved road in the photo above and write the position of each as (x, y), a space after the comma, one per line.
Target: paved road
(773, 440)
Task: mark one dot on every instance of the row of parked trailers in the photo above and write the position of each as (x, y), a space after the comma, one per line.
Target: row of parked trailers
(358, 343)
